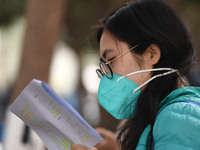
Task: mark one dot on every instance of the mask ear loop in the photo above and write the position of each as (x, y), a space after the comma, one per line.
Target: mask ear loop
(156, 76)
(170, 70)
(185, 82)
(142, 71)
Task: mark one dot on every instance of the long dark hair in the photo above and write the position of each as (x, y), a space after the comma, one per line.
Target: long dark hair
(145, 22)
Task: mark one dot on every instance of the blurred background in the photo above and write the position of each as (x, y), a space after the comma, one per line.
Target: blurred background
(53, 41)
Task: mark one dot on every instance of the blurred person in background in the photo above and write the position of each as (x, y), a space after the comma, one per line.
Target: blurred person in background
(145, 53)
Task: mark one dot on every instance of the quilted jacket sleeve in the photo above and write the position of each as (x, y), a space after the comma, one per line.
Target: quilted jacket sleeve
(177, 127)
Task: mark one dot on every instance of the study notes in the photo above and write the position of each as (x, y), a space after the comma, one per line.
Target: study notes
(54, 120)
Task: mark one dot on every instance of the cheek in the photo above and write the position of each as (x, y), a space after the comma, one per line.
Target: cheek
(140, 78)
(136, 78)
(129, 66)
(120, 68)
(125, 67)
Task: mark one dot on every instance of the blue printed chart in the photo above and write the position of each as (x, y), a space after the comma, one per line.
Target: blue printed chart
(52, 118)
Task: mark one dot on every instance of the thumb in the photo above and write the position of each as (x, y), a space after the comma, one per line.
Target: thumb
(94, 148)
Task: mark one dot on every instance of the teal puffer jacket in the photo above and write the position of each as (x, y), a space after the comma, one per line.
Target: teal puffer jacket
(177, 125)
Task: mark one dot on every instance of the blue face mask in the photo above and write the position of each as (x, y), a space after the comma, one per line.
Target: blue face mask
(119, 95)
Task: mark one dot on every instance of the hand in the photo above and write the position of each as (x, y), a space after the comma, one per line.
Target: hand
(109, 140)
(81, 147)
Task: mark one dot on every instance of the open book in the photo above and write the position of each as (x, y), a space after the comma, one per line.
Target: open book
(55, 121)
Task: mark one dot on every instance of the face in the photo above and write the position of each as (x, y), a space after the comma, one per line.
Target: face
(110, 48)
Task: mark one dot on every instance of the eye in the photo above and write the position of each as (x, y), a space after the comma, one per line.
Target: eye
(111, 60)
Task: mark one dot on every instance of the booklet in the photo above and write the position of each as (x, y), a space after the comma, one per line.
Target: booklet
(54, 120)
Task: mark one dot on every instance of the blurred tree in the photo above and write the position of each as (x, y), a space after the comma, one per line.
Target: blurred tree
(9, 9)
(82, 16)
(44, 20)
(190, 11)
(186, 2)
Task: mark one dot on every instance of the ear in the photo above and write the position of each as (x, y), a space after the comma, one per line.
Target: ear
(152, 54)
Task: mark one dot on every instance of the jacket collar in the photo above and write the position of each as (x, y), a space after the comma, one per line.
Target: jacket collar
(181, 94)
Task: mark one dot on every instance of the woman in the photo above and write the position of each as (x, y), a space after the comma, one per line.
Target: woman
(145, 52)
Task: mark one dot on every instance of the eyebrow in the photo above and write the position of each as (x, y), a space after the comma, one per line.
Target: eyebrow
(105, 53)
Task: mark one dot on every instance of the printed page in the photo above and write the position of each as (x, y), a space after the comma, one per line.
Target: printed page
(55, 121)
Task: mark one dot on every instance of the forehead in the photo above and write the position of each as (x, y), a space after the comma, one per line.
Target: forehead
(109, 44)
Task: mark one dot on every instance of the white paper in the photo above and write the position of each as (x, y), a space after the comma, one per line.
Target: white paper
(52, 118)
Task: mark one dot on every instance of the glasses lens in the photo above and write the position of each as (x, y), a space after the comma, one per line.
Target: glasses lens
(106, 70)
(99, 74)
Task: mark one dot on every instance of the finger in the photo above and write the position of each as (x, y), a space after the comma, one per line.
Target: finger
(94, 148)
(78, 147)
(104, 132)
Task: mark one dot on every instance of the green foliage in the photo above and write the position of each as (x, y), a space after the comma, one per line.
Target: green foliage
(10, 9)
(194, 3)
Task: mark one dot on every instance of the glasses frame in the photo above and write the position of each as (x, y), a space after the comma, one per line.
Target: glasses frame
(100, 72)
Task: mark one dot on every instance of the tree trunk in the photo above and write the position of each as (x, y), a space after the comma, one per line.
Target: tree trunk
(44, 20)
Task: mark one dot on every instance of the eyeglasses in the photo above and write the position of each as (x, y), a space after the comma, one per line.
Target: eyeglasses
(105, 68)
